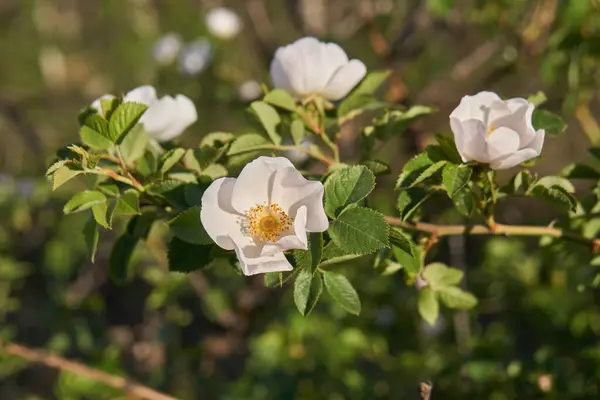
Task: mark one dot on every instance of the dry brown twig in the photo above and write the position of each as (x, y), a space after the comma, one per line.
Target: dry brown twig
(133, 389)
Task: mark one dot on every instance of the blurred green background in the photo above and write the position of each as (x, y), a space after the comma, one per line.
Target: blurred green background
(217, 335)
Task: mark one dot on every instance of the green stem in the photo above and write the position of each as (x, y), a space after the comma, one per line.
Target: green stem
(301, 149)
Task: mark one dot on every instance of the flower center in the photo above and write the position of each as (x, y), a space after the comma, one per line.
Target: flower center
(267, 222)
(491, 129)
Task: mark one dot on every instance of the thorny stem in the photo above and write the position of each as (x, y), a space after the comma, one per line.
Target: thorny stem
(134, 390)
(498, 229)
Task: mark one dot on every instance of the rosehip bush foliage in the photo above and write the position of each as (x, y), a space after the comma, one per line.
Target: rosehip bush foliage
(236, 200)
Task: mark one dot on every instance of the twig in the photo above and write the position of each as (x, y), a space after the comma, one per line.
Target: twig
(301, 149)
(53, 361)
(498, 229)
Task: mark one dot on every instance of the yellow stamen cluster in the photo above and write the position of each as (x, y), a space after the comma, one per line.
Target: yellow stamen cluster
(268, 222)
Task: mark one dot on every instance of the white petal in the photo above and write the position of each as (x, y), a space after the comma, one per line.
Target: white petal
(274, 263)
(473, 107)
(218, 217)
(514, 159)
(321, 63)
(344, 80)
(519, 121)
(502, 142)
(279, 73)
(144, 94)
(456, 127)
(297, 240)
(538, 142)
(292, 191)
(293, 65)
(472, 141)
(255, 182)
(159, 116)
(180, 114)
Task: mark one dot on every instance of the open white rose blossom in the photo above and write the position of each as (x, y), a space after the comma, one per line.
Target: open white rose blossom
(265, 211)
(497, 132)
(166, 118)
(310, 67)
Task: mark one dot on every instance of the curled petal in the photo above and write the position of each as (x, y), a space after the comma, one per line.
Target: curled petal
(255, 182)
(518, 120)
(472, 145)
(344, 80)
(296, 240)
(218, 217)
(514, 159)
(473, 107)
(292, 191)
(260, 265)
(538, 142)
(144, 94)
(502, 142)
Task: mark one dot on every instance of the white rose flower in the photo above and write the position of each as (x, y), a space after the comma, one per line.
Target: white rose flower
(223, 22)
(166, 48)
(310, 67)
(265, 211)
(195, 57)
(497, 132)
(166, 118)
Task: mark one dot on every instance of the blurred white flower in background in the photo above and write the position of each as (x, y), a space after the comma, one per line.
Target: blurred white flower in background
(249, 90)
(223, 23)
(310, 67)
(195, 56)
(166, 117)
(167, 48)
(298, 156)
(497, 132)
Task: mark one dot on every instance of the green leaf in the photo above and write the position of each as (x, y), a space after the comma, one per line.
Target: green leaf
(412, 169)
(128, 203)
(269, 119)
(298, 132)
(409, 201)
(94, 133)
(120, 257)
(170, 158)
(148, 164)
(440, 276)
(280, 98)
(551, 181)
(124, 118)
(347, 186)
(455, 177)
(363, 94)
(83, 201)
(448, 148)
(359, 230)
(307, 291)
(342, 291)
(188, 227)
(62, 175)
(555, 194)
(552, 123)
(396, 122)
(187, 257)
(377, 167)
(405, 251)
(100, 213)
(134, 144)
(217, 139)
(454, 297)
(441, 8)
(247, 142)
(464, 201)
(537, 99)
(429, 172)
(429, 308)
(580, 171)
(108, 105)
(273, 279)
(139, 225)
(91, 235)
